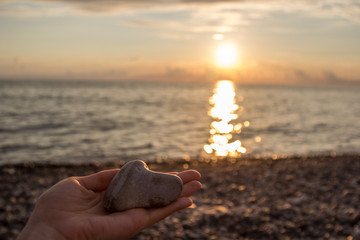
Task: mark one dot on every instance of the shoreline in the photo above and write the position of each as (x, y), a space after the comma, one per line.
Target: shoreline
(314, 196)
(165, 160)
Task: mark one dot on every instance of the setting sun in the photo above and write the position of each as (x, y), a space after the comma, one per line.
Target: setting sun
(226, 55)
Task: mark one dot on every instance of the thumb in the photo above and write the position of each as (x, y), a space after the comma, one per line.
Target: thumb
(97, 182)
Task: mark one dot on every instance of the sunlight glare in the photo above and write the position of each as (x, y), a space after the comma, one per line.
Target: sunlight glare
(223, 111)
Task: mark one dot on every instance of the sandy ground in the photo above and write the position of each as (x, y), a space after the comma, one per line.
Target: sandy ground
(291, 198)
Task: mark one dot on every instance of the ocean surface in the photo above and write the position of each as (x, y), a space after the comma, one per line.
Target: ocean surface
(87, 121)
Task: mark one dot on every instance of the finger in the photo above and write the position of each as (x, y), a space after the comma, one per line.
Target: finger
(98, 181)
(134, 220)
(157, 214)
(190, 188)
(189, 175)
(140, 218)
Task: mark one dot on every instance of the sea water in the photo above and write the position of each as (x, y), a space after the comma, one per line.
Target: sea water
(86, 121)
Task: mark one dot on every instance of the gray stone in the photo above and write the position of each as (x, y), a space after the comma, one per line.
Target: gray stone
(136, 186)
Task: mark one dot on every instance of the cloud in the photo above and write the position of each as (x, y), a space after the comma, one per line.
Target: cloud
(105, 5)
(175, 36)
(333, 79)
(302, 76)
(177, 74)
(25, 9)
(207, 15)
(252, 73)
(262, 72)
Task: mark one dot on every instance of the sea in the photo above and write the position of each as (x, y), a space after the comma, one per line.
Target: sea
(102, 121)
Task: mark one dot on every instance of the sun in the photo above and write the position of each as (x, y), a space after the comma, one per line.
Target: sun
(226, 55)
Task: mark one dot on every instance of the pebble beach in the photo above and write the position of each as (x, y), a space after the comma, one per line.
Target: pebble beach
(301, 197)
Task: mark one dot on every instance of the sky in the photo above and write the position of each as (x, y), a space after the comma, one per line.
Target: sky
(315, 42)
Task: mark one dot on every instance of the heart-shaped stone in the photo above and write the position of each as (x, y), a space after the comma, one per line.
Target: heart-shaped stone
(135, 185)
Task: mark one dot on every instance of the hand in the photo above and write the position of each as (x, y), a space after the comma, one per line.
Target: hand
(72, 209)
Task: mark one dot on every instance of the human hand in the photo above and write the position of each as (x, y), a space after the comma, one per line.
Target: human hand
(73, 209)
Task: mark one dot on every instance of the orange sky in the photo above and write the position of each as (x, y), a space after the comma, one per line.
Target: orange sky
(278, 42)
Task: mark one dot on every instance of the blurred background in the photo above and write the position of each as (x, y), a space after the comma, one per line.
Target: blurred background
(106, 80)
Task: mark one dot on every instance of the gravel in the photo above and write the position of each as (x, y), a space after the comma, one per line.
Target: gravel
(301, 197)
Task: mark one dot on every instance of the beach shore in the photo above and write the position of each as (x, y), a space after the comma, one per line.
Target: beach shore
(287, 198)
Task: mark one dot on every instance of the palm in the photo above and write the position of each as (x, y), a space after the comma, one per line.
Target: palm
(74, 208)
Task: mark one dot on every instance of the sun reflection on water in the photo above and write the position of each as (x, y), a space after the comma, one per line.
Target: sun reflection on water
(224, 111)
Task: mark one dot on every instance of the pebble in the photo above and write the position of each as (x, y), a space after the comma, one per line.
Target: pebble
(136, 186)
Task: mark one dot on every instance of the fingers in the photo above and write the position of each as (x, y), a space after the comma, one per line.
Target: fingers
(134, 220)
(191, 185)
(98, 181)
(189, 175)
(129, 223)
(157, 214)
(190, 188)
